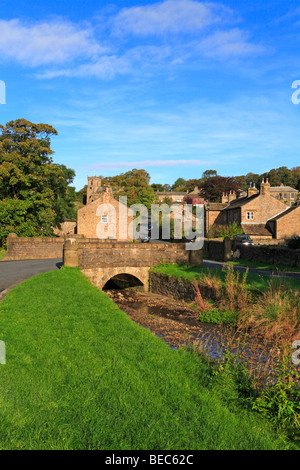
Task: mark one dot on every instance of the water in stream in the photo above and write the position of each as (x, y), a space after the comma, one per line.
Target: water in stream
(178, 324)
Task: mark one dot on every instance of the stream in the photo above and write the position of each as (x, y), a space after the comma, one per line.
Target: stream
(177, 323)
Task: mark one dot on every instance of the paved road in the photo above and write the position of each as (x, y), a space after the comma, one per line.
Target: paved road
(261, 272)
(14, 272)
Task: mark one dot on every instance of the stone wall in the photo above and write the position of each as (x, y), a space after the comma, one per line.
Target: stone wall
(20, 248)
(278, 255)
(88, 253)
(33, 248)
(218, 250)
(275, 255)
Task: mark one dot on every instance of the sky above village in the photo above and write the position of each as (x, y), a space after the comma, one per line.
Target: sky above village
(176, 87)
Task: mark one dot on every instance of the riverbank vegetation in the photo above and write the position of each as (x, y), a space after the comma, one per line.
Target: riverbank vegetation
(80, 374)
(267, 308)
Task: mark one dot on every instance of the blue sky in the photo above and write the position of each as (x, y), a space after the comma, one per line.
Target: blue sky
(176, 86)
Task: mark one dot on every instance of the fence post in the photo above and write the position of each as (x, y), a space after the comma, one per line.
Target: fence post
(227, 248)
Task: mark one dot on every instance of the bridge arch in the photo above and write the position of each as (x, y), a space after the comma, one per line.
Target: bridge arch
(100, 276)
(121, 281)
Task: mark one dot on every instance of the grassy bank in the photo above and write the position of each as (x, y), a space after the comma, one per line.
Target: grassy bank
(79, 374)
(269, 306)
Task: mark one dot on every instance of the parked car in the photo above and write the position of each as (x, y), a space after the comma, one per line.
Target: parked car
(244, 239)
(145, 240)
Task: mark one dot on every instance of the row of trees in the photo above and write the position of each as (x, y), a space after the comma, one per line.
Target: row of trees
(212, 185)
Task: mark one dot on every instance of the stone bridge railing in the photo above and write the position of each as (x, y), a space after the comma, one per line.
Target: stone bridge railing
(101, 260)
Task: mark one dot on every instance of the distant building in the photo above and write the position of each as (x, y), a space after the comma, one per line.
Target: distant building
(174, 196)
(286, 194)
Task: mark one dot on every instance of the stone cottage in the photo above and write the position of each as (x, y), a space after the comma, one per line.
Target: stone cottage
(104, 217)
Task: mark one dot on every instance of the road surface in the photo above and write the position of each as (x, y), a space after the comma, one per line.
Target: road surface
(14, 272)
(260, 272)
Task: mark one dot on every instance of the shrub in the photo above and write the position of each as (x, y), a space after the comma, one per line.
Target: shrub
(222, 231)
(294, 242)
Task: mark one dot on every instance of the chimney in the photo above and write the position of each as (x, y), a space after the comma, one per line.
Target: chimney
(232, 196)
(252, 190)
(225, 198)
(265, 187)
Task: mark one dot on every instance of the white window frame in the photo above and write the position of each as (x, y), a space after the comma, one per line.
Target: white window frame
(250, 215)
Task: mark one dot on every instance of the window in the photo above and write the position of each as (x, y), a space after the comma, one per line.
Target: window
(284, 196)
(104, 219)
(250, 215)
(292, 195)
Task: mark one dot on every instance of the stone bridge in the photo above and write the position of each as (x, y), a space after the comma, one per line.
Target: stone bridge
(102, 260)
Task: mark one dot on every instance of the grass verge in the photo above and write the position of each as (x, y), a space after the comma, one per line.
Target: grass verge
(80, 374)
(264, 266)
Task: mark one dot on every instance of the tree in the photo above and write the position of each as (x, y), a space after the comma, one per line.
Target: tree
(191, 184)
(214, 187)
(34, 192)
(179, 185)
(208, 174)
(135, 185)
(157, 187)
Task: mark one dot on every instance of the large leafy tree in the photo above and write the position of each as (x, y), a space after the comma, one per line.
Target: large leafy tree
(214, 187)
(135, 185)
(35, 194)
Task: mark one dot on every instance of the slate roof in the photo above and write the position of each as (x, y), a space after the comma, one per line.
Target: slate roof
(240, 202)
(283, 188)
(255, 229)
(216, 206)
(284, 213)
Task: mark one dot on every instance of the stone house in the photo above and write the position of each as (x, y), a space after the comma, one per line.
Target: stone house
(253, 211)
(104, 216)
(175, 196)
(261, 215)
(68, 228)
(286, 224)
(286, 194)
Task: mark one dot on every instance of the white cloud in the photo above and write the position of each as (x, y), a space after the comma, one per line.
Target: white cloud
(170, 16)
(228, 44)
(45, 42)
(59, 48)
(107, 66)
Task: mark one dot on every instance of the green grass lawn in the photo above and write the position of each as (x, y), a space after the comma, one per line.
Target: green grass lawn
(80, 374)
